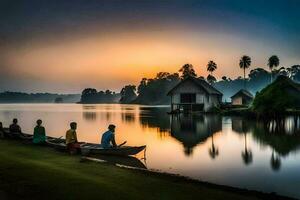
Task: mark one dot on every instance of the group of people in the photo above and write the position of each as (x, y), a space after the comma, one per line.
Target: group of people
(107, 140)
(15, 131)
(39, 135)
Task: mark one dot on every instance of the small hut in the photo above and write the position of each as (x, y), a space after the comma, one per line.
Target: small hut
(194, 94)
(242, 98)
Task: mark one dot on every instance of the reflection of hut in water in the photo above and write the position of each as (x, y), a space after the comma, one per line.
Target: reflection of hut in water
(242, 98)
(193, 94)
(191, 130)
(241, 125)
(155, 117)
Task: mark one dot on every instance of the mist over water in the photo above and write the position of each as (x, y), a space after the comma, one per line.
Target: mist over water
(224, 150)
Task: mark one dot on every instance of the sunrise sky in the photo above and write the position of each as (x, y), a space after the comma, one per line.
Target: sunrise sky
(65, 46)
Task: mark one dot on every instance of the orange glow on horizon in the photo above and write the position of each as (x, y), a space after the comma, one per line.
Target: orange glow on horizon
(117, 59)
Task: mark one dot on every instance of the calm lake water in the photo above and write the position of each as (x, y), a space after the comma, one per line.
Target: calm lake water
(224, 150)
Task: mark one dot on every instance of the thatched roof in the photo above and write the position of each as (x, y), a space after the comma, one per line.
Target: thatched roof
(199, 82)
(243, 92)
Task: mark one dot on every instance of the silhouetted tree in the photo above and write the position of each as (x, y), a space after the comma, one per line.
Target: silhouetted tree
(211, 79)
(273, 62)
(187, 70)
(142, 86)
(90, 95)
(294, 72)
(89, 91)
(154, 91)
(245, 63)
(128, 94)
(211, 66)
(21, 97)
(58, 100)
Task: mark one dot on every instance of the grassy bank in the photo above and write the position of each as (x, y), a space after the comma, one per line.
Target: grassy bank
(31, 172)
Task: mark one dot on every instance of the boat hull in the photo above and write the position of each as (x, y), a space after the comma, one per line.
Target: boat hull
(94, 149)
(120, 151)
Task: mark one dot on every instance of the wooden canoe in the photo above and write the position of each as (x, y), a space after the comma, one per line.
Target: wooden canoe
(119, 151)
(127, 161)
(87, 148)
(94, 149)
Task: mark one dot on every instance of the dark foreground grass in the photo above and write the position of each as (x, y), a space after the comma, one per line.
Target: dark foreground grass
(31, 172)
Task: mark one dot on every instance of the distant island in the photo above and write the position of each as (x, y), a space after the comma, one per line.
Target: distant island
(21, 97)
(91, 96)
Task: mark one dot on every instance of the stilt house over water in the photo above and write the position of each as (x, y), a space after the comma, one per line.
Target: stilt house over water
(194, 94)
(242, 98)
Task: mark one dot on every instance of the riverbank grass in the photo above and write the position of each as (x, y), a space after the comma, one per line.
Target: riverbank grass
(32, 172)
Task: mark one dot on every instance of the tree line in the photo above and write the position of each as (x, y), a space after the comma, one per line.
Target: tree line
(21, 97)
(154, 90)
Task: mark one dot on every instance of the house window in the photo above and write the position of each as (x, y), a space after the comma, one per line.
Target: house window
(188, 98)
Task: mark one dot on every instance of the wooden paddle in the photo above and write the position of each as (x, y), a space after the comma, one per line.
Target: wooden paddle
(122, 144)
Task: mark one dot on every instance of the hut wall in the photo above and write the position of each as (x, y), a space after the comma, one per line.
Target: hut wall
(237, 100)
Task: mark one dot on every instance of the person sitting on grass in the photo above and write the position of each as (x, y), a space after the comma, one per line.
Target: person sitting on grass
(73, 146)
(15, 129)
(39, 133)
(108, 138)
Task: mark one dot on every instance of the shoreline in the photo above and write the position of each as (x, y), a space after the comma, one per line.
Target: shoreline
(140, 176)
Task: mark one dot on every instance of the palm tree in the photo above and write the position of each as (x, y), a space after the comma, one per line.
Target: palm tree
(245, 63)
(211, 66)
(273, 62)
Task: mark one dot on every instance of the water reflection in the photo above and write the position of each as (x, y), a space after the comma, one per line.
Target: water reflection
(282, 141)
(88, 112)
(128, 117)
(225, 150)
(282, 135)
(286, 125)
(213, 150)
(241, 125)
(128, 114)
(155, 117)
(244, 126)
(247, 153)
(192, 130)
(275, 161)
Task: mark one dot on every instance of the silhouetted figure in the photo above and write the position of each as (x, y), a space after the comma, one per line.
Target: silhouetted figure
(73, 146)
(15, 129)
(39, 134)
(108, 138)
